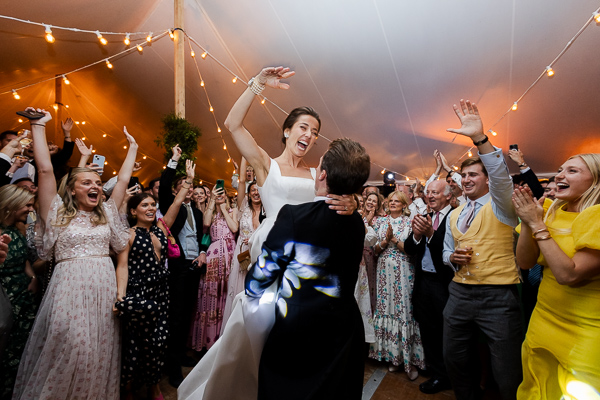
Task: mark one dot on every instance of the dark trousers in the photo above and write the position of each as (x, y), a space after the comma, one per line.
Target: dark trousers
(429, 299)
(183, 296)
(495, 309)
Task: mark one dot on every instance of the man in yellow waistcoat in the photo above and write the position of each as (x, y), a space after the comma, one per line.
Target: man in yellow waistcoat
(478, 246)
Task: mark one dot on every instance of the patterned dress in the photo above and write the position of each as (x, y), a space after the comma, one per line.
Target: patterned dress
(212, 291)
(237, 276)
(15, 282)
(73, 350)
(144, 310)
(398, 339)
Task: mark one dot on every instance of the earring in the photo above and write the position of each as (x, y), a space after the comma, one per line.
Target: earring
(286, 135)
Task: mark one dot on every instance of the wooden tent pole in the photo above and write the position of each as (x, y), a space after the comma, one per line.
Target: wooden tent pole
(179, 61)
(58, 104)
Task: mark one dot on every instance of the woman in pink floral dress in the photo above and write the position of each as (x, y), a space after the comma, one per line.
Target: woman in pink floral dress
(73, 350)
(212, 291)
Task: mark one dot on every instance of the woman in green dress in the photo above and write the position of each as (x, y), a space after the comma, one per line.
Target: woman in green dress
(18, 280)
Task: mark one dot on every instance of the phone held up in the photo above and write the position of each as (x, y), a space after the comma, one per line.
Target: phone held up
(220, 184)
(98, 159)
(513, 147)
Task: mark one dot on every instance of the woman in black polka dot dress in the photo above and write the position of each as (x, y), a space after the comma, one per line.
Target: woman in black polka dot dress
(142, 291)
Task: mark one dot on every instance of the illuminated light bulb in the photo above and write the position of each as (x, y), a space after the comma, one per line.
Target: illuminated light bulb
(455, 168)
(144, 157)
(105, 162)
(234, 80)
(200, 182)
(149, 37)
(211, 109)
(108, 64)
(16, 95)
(219, 129)
(127, 40)
(514, 106)
(125, 147)
(49, 36)
(55, 106)
(140, 48)
(164, 167)
(20, 120)
(549, 71)
(171, 34)
(224, 147)
(202, 83)
(82, 122)
(193, 54)
(382, 171)
(596, 16)
(101, 39)
(77, 123)
(407, 178)
(93, 151)
(114, 172)
(204, 55)
(229, 159)
(494, 133)
(470, 154)
(65, 80)
(104, 135)
(66, 105)
(262, 101)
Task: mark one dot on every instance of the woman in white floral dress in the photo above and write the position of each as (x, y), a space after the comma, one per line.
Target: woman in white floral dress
(73, 351)
(397, 336)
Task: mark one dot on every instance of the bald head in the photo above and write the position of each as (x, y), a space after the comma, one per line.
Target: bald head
(438, 194)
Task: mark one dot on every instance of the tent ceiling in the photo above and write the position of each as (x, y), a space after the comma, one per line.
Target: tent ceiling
(385, 73)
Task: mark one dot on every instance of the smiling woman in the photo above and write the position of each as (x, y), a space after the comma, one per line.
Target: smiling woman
(75, 319)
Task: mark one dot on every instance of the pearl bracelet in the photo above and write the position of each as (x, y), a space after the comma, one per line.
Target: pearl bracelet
(255, 86)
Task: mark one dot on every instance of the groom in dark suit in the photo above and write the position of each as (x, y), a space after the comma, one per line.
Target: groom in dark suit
(432, 277)
(316, 347)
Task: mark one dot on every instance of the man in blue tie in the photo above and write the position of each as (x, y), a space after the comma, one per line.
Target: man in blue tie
(478, 246)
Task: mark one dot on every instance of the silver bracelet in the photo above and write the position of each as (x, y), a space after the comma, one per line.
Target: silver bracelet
(255, 86)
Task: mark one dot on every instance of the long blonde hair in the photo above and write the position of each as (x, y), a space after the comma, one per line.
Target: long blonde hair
(69, 209)
(591, 196)
(12, 198)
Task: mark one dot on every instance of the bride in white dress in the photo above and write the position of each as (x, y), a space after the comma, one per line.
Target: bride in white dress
(230, 369)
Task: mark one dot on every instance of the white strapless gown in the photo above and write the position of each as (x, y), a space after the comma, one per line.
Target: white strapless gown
(229, 370)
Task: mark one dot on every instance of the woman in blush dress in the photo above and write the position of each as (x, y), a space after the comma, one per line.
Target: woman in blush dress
(398, 340)
(73, 350)
(142, 291)
(249, 210)
(222, 221)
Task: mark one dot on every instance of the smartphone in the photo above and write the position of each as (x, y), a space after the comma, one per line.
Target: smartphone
(220, 184)
(513, 147)
(30, 114)
(98, 159)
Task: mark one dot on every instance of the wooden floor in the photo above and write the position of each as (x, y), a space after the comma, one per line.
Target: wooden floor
(393, 386)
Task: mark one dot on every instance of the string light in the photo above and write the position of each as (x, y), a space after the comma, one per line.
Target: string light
(139, 48)
(82, 122)
(144, 157)
(93, 151)
(212, 109)
(114, 172)
(455, 168)
(20, 120)
(16, 95)
(108, 64)
(202, 83)
(263, 101)
(171, 34)
(219, 129)
(65, 80)
(234, 80)
(407, 178)
(204, 55)
(105, 162)
(549, 71)
(229, 159)
(383, 171)
(494, 133)
(55, 106)
(101, 39)
(193, 54)
(596, 16)
(149, 37)
(127, 40)
(470, 154)
(66, 106)
(125, 147)
(104, 135)
(49, 36)
(224, 147)
(514, 106)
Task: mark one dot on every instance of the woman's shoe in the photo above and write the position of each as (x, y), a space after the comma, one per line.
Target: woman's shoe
(393, 368)
(412, 374)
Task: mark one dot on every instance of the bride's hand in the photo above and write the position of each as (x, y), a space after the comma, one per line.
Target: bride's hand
(272, 76)
(344, 204)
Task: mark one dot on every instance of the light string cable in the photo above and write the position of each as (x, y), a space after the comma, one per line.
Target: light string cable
(103, 60)
(548, 71)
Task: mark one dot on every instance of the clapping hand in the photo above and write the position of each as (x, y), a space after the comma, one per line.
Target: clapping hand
(272, 76)
(471, 124)
(528, 208)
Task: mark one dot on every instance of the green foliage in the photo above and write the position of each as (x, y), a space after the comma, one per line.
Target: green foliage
(177, 130)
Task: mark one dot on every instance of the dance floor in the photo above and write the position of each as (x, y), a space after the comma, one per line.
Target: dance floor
(379, 384)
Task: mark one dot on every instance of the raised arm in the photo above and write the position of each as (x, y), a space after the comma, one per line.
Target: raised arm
(126, 169)
(46, 179)
(244, 141)
(85, 152)
(188, 184)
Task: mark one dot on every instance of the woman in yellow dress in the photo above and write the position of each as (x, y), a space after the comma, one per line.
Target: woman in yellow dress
(561, 353)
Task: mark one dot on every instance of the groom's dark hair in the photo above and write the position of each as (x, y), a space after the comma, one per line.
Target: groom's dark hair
(347, 165)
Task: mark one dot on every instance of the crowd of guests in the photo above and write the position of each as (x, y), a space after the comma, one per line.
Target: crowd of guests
(112, 282)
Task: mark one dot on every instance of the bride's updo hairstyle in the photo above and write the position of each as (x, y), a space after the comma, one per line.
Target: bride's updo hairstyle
(293, 117)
